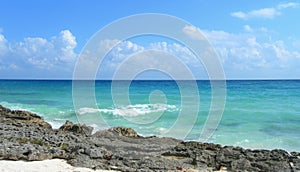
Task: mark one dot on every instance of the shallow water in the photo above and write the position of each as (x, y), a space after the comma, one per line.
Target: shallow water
(258, 114)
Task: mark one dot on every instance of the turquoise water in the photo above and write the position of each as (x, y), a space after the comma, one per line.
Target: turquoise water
(257, 114)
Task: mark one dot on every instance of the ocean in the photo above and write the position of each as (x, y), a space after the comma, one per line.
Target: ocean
(260, 114)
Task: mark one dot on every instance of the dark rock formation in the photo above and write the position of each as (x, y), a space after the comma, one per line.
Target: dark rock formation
(127, 132)
(26, 136)
(18, 118)
(76, 128)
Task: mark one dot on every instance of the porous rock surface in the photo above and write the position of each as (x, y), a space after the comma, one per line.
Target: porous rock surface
(26, 136)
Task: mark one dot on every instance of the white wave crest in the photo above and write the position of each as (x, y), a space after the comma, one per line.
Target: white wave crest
(131, 110)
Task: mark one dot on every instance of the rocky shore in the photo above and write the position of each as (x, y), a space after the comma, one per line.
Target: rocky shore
(26, 136)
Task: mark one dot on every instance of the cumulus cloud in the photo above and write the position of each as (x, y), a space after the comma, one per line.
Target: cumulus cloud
(181, 52)
(240, 52)
(193, 32)
(281, 52)
(266, 13)
(119, 51)
(253, 53)
(40, 55)
(64, 45)
(127, 49)
(55, 57)
(3, 45)
(123, 50)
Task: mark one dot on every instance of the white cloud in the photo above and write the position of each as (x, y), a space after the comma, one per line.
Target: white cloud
(158, 61)
(222, 38)
(39, 55)
(247, 28)
(64, 46)
(107, 44)
(120, 53)
(240, 52)
(126, 48)
(239, 14)
(288, 5)
(193, 32)
(281, 51)
(266, 13)
(177, 50)
(43, 53)
(3, 45)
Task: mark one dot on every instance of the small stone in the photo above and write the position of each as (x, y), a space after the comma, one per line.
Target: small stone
(108, 155)
(222, 168)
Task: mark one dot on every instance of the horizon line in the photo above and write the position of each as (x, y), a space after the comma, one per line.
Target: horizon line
(68, 79)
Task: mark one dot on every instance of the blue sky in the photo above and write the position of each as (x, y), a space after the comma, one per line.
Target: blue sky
(254, 39)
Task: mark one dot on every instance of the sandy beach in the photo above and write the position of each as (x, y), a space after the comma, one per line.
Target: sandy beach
(53, 165)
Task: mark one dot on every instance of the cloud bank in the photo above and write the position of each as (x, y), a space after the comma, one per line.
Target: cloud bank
(243, 55)
(38, 57)
(250, 55)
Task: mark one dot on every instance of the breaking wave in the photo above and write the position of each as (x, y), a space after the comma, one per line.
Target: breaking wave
(131, 110)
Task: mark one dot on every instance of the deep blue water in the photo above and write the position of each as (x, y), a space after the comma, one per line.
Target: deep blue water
(257, 114)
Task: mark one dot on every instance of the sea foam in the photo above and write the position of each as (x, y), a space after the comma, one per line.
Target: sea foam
(131, 110)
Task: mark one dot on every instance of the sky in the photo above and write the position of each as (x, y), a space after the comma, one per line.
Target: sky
(253, 39)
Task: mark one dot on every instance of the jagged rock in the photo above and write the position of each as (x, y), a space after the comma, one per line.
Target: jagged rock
(76, 128)
(26, 136)
(127, 132)
(240, 163)
(93, 153)
(18, 117)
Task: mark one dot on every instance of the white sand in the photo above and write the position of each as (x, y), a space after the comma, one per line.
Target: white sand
(54, 165)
